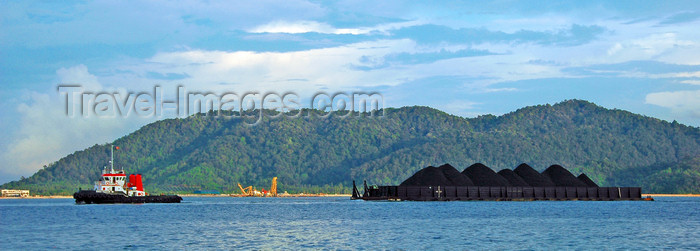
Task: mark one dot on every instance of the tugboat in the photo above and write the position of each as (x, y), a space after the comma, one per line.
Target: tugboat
(111, 189)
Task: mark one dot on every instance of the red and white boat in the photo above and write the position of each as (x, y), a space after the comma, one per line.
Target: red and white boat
(113, 187)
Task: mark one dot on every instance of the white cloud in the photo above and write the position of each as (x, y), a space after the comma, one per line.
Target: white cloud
(52, 23)
(694, 74)
(260, 71)
(640, 74)
(78, 75)
(680, 102)
(46, 133)
(335, 68)
(648, 47)
(463, 108)
(614, 49)
(540, 23)
(303, 27)
(691, 82)
(298, 27)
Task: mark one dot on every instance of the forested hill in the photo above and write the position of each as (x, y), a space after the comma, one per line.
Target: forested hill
(312, 154)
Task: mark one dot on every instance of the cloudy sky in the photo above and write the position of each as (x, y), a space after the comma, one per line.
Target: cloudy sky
(466, 58)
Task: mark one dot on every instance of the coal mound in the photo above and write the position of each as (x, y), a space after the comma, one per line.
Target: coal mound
(584, 178)
(428, 176)
(482, 175)
(513, 178)
(445, 175)
(562, 177)
(532, 177)
(454, 176)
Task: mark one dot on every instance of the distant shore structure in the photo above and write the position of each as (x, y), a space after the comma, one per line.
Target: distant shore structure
(15, 193)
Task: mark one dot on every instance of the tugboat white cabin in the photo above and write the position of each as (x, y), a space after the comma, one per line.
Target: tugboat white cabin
(112, 182)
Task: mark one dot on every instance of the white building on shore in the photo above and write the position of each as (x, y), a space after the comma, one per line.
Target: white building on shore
(15, 193)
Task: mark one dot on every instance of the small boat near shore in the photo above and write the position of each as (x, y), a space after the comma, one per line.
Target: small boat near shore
(113, 187)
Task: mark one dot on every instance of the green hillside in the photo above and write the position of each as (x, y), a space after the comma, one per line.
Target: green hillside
(315, 154)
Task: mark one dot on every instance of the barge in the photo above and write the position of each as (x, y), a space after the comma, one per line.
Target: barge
(454, 193)
(419, 188)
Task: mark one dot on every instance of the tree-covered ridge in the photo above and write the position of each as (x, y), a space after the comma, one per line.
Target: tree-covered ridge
(312, 153)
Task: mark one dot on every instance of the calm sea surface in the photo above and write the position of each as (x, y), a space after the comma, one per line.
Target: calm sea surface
(339, 223)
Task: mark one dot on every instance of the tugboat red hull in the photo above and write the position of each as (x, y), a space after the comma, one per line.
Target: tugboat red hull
(92, 197)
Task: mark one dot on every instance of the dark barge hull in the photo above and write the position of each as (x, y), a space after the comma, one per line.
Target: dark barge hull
(92, 197)
(467, 193)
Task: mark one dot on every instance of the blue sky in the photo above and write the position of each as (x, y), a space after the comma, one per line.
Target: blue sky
(466, 58)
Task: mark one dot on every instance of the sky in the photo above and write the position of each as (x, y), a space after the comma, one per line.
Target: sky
(467, 58)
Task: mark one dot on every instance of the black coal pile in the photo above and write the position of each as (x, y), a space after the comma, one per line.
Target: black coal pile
(428, 176)
(532, 177)
(513, 178)
(482, 175)
(454, 176)
(445, 175)
(584, 178)
(562, 177)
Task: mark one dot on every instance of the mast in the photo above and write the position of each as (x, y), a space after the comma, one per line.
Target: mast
(111, 161)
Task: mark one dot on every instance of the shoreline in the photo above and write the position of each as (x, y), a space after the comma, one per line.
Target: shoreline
(670, 195)
(286, 196)
(278, 196)
(187, 195)
(39, 197)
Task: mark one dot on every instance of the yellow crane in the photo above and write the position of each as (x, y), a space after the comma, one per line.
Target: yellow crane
(273, 188)
(246, 191)
(249, 191)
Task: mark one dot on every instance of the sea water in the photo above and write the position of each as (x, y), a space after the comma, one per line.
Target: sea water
(341, 223)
